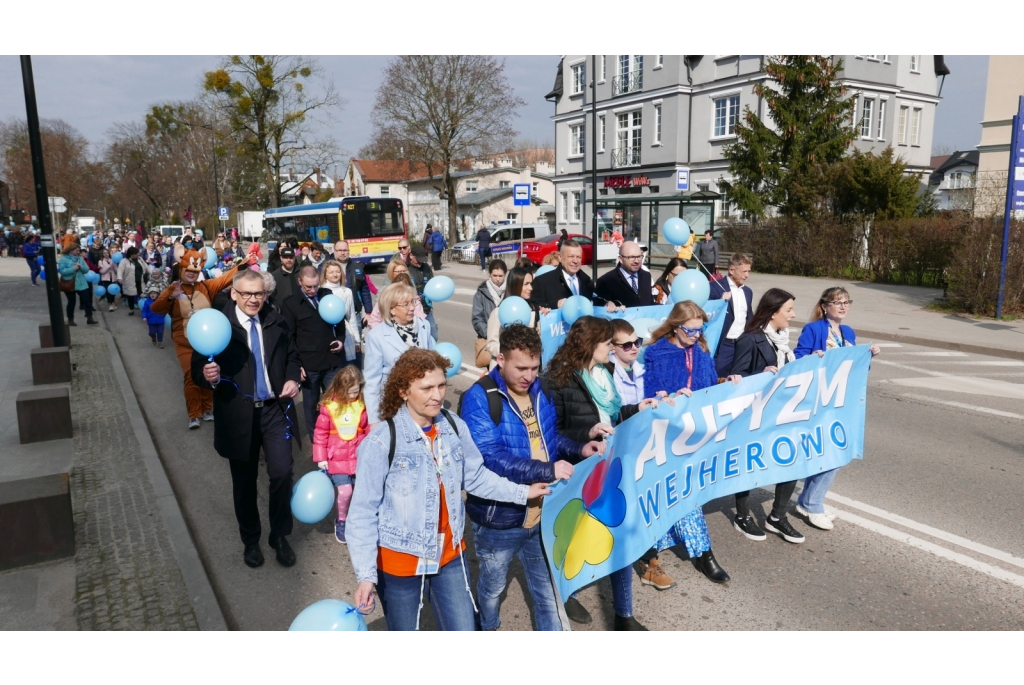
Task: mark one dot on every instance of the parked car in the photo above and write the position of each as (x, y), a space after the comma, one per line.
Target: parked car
(504, 239)
(538, 249)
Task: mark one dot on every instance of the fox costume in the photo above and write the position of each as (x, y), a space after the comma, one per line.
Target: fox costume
(193, 298)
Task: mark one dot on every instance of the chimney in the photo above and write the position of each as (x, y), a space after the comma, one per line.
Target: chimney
(504, 162)
(543, 168)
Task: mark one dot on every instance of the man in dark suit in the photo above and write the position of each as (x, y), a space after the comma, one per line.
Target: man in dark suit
(737, 314)
(628, 285)
(552, 289)
(318, 342)
(253, 381)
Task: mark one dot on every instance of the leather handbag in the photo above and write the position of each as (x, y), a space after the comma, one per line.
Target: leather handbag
(67, 285)
(483, 357)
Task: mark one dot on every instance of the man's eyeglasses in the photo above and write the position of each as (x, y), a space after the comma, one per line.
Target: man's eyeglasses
(841, 303)
(403, 248)
(632, 257)
(691, 332)
(249, 296)
(627, 346)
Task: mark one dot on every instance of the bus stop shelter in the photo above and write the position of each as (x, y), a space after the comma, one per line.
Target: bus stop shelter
(640, 216)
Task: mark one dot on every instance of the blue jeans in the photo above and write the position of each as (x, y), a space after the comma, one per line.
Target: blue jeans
(815, 488)
(495, 549)
(314, 385)
(483, 259)
(447, 591)
(34, 268)
(622, 591)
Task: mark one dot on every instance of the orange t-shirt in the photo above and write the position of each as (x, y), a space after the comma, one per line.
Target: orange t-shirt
(402, 564)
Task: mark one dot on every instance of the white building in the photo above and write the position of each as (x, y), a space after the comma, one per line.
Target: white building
(954, 180)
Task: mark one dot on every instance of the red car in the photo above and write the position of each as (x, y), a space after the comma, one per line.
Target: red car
(540, 248)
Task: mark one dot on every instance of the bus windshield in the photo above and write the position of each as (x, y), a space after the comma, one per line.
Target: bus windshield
(372, 219)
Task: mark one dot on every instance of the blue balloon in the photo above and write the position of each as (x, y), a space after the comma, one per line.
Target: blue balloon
(312, 496)
(576, 307)
(42, 274)
(99, 291)
(676, 231)
(643, 326)
(543, 270)
(211, 257)
(329, 614)
(332, 309)
(167, 320)
(92, 277)
(512, 310)
(40, 261)
(117, 257)
(145, 242)
(691, 285)
(114, 289)
(439, 288)
(208, 332)
(452, 354)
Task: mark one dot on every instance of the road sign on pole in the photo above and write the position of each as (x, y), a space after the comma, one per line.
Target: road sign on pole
(1014, 195)
(682, 179)
(58, 205)
(223, 213)
(521, 198)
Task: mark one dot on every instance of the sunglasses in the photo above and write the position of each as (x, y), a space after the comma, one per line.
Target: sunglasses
(691, 332)
(627, 346)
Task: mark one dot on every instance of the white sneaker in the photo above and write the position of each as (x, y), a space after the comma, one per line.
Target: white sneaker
(820, 521)
(193, 424)
(207, 416)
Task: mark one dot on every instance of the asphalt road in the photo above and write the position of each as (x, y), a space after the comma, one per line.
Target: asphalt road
(928, 534)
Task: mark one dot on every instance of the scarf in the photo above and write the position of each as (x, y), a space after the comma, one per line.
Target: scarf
(604, 394)
(780, 341)
(407, 333)
(497, 291)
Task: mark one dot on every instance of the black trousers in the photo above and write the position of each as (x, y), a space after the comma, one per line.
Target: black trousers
(436, 259)
(268, 432)
(724, 356)
(783, 491)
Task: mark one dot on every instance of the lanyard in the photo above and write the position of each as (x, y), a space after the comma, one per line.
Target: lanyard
(689, 367)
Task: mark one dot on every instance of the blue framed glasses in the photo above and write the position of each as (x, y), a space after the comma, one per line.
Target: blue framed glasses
(691, 332)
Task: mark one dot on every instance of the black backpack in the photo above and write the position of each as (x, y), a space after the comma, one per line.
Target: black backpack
(494, 404)
(391, 429)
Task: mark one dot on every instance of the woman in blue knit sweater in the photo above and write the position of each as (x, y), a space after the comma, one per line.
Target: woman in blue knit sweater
(678, 363)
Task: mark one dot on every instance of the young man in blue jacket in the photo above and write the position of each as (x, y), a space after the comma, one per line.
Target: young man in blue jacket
(513, 422)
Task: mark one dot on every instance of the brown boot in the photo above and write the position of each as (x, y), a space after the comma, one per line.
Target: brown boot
(91, 321)
(652, 574)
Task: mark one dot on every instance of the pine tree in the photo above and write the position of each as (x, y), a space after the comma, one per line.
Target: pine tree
(784, 167)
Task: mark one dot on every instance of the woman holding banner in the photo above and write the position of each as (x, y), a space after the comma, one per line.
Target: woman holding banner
(588, 405)
(518, 283)
(678, 362)
(825, 331)
(764, 348)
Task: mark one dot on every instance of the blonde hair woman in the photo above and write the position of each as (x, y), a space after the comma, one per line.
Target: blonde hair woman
(333, 278)
(396, 272)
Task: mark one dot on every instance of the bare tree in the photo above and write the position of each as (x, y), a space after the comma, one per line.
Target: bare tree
(437, 109)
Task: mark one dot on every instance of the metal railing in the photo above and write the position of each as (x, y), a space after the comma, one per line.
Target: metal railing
(627, 83)
(626, 157)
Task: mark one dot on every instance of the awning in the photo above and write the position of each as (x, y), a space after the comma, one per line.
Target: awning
(688, 197)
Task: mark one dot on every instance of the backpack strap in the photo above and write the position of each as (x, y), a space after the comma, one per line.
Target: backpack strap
(494, 404)
(392, 432)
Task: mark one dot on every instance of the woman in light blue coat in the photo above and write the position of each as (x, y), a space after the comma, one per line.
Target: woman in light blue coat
(73, 267)
(400, 331)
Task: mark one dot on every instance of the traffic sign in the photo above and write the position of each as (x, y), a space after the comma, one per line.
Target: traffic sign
(682, 179)
(223, 213)
(521, 194)
(57, 205)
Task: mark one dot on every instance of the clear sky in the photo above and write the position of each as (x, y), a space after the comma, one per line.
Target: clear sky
(91, 93)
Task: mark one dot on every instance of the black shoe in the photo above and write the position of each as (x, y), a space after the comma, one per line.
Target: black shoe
(71, 322)
(285, 555)
(748, 527)
(91, 321)
(253, 557)
(708, 565)
(576, 613)
(627, 623)
(783, 528)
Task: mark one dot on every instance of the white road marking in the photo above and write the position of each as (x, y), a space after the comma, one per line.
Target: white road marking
(908, 367)
(972, 363)
(461, 304)
(966, 384)
(961, 405)
(465, 291)
(889, 344)
(933, 354)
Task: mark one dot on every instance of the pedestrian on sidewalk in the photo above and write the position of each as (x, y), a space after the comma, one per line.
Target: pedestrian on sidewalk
(764, 348)
(130, 274)
(253, 383)
(72, 269)
(30, 251)
(437, 247)
(737, 313)
(340, 428)
(483, 247)
(707, 254)
(155, 321)
(405, 525)
(824, 331)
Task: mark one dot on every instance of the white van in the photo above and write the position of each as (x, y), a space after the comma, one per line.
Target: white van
(172, 231)
(504, 239)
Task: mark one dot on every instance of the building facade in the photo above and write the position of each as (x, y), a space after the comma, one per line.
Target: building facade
(1003, 88)
(953, 181)
(663, 122)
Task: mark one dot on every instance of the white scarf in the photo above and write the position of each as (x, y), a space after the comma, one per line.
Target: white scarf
(780, 341)
(497, 291)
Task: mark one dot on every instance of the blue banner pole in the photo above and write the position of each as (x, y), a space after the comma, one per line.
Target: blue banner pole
(1014, 139)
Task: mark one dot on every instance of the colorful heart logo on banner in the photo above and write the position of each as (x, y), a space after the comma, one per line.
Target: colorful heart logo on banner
(582, 534)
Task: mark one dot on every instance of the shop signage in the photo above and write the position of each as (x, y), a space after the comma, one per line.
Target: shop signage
(626, 181)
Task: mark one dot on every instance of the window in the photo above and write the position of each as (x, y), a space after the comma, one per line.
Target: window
(578, 78)
(884, 58)
(915, 63)
(865, 117)
(915, 127)
(564, 210)
(873, 58)
(703, 186)
(385, 191)
(880, 134)
(659, 61)
(604, 68)
(724, 203)
(577, 205)
(726, 111)
(630, 76)
(657, 124)
(602, 131)
(504, 184)
(961, 179)
(536, 185)
(577, 137)
(901, 133)
(471, 186)
(510, 216)
(627, 145)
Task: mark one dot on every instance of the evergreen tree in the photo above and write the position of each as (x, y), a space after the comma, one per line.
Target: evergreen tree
(784, 167)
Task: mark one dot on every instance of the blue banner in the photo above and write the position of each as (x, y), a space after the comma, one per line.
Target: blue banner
(666, 462)
(553, 329)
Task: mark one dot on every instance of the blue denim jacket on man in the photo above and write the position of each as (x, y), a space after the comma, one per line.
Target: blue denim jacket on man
(506, 448)
(399, 509)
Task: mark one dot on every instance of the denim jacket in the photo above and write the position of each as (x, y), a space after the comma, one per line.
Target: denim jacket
(399, 509)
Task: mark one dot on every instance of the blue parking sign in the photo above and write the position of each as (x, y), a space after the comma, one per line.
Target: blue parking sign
(223, 213)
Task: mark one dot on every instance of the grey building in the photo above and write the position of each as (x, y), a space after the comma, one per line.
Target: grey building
(663, 122)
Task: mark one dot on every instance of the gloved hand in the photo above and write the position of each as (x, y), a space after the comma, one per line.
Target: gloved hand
(322, 465)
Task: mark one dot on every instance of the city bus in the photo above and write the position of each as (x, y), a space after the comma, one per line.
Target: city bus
(372, 227)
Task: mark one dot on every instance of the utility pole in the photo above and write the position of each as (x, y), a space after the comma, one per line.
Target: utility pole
(593, 164)
(43, 205)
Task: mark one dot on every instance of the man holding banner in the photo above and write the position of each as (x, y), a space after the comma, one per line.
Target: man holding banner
(740, 308)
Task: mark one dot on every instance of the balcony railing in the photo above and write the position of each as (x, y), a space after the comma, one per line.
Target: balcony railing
(626, 156)
(627, 83)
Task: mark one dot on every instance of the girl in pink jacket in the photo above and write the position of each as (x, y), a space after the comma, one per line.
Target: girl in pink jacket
(340, 427)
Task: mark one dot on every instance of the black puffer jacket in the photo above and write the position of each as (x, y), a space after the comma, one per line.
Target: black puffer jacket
(577, 411)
